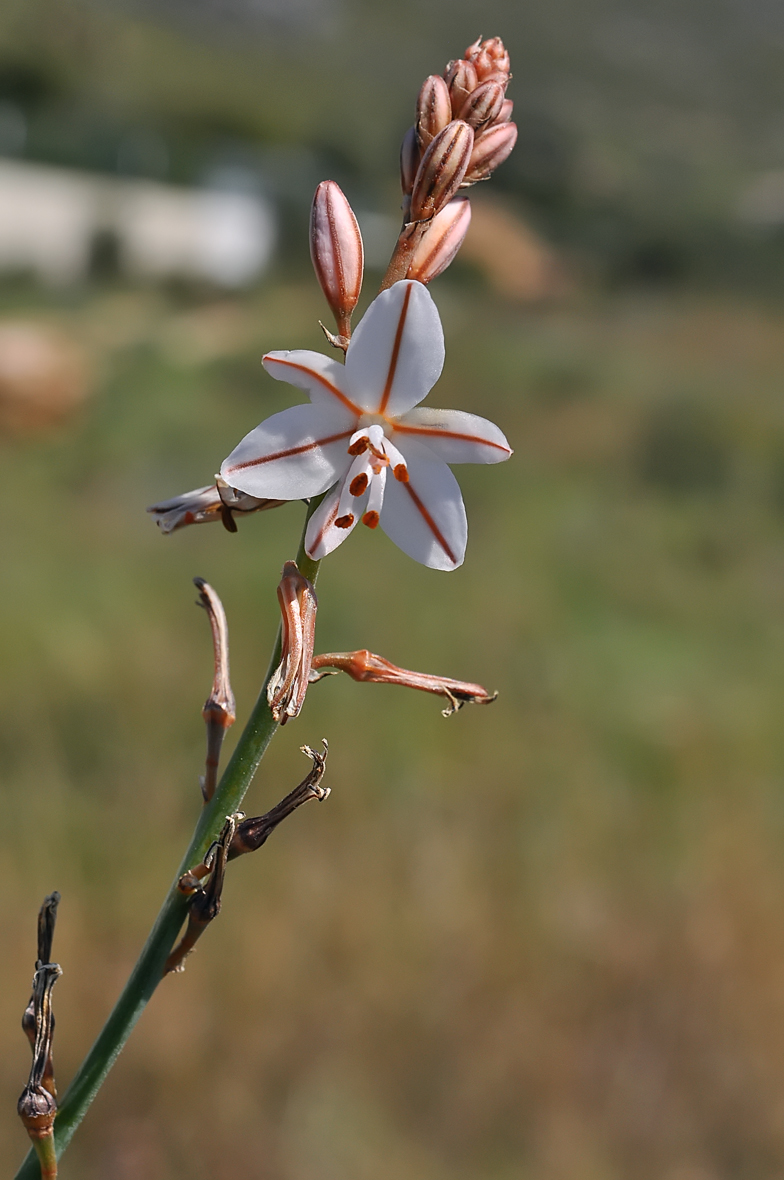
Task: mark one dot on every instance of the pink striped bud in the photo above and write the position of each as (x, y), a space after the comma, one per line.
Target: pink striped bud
(491, 148)
(505, 114)
(488, 57)
(336, 250)
(441, 241)
(410, 156)
(434, 109)
(442, 170)
(483, 106)
(461, 81)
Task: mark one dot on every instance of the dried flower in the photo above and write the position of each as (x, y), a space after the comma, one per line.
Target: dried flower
(365, 665)
(252, 833)
(219, 711)
(361, 427)
(336, 251)
(441, 171)
(289, 683)
(205, 904)
(441, 241)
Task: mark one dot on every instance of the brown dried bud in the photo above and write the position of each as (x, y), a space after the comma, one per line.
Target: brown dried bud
(483, 106)
(442, 170)
(461, 81)
(441, 241)
(410, 155)
(434, 109)
(336, 250)
(491, 148)
(37, 1109)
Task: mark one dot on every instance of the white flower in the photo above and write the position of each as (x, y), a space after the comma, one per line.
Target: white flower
(383, 461)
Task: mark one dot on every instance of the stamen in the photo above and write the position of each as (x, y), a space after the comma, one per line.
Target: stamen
(376, 497)
(401, 473)
(359, 484)
(371, 519)
(345, 522)
(358, 447)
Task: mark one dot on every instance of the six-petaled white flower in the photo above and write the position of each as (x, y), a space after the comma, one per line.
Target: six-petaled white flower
(384, 461)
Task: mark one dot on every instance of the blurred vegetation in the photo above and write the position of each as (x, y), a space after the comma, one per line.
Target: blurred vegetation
(542, 939)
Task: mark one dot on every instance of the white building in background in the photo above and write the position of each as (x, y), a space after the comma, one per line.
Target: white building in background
(51, 218)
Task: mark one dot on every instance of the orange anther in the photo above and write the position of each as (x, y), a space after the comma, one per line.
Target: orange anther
(345, 522)
(401, 473)
(358, 484)
(370, 519)
(359, 447)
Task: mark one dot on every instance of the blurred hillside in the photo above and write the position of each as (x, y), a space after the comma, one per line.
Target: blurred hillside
(642, 124)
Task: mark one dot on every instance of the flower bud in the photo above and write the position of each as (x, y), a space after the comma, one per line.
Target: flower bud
(491, 148)
(434, 109)
(483, 106)
(441, 241)
(410, 155)
(461, 80)
(336, 250)
(442, 170)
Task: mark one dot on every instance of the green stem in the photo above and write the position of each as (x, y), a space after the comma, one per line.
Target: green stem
(148, 972)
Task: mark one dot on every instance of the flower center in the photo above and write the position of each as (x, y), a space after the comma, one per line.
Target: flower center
(373, 455)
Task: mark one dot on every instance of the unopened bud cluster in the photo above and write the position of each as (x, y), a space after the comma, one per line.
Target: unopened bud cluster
(470, 97)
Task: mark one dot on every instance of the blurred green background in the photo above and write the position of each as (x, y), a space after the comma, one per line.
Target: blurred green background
(541, 940)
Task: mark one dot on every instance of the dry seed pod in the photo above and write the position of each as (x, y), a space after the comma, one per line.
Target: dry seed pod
(491, 148)
(461, 81)
(336, 250)
(442, 170)
(434, 109)
(483, 106)
(441, 241)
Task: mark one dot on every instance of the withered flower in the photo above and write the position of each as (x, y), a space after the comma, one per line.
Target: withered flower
(205, 902)
(252, 833)
(289, 683)
(366, 665)
(219, 710)
(216, 502)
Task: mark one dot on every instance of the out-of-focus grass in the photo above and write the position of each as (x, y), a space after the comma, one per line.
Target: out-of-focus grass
(542, 939)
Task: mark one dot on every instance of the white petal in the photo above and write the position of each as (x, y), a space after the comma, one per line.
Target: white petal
(299, 452)
(425, 517)
(322, 535)
(454, 436)
(322, 377)
(397, 351)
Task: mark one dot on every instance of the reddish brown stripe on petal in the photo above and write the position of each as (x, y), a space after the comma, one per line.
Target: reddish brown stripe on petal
(395, 351)
(333, 389)
(431, 524)
(435, 432)
(319, 442)
(328, 523)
